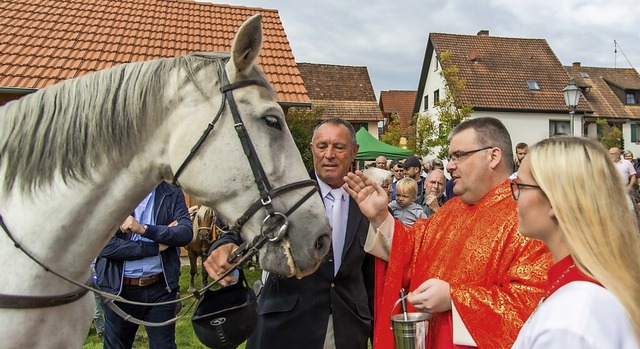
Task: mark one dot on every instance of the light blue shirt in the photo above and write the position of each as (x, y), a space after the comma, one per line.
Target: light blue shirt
(147, 266)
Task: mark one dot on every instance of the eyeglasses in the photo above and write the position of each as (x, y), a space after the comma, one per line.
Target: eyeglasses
(516, 187)
(457, 155)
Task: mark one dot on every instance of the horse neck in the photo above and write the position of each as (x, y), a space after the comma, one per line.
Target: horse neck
(65, 225)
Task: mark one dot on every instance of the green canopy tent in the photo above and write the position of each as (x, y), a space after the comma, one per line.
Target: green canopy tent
(370, 148)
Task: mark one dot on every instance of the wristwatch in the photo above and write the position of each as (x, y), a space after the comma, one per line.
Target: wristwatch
(145, 229)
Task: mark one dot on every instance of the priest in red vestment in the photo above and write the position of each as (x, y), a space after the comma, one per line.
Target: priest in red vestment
(467, 264)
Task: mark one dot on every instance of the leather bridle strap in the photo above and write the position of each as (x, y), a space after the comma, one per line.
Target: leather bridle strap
(249, 150)
(198, 144)
(274, 193)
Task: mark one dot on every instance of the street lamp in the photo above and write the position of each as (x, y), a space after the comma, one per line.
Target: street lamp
(571, 98)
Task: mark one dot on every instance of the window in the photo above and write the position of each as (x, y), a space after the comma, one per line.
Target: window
(358, 125)
(559, 127)
(631, 97)
(436, 97)
(426, 102)
(533, 85)
(584, 75)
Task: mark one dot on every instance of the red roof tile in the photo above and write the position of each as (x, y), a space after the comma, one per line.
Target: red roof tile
(399, 103)
(343, 91)
(604, 87)
(61, 39)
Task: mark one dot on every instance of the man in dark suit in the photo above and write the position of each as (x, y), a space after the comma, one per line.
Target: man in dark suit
(333, 307)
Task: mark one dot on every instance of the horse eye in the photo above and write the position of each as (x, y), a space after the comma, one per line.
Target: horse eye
(272, 121)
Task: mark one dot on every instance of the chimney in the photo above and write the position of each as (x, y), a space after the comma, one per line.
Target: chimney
(576, 64)
(483, 32)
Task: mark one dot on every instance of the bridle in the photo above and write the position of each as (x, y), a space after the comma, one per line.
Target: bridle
(267, 192)
(239, 256)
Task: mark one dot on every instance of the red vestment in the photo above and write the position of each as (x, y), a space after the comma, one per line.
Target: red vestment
(496, 275)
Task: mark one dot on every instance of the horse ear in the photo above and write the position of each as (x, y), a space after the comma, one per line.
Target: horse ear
(247, 44)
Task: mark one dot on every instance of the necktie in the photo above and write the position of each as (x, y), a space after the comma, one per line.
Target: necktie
(337, 228)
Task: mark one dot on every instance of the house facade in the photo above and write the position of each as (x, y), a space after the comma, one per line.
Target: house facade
(520, 82)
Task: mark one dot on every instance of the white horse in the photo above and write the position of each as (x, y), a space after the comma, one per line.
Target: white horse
(77, 157)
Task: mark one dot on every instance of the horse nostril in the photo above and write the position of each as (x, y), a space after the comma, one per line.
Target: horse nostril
(322, 243)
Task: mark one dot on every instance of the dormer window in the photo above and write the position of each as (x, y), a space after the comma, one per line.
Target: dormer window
(584, 75)
(631, 97)
(533, 85)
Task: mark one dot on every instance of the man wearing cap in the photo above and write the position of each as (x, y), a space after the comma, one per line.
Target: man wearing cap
(413, 169)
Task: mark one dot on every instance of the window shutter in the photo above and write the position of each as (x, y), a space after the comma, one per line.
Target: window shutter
(634, 137)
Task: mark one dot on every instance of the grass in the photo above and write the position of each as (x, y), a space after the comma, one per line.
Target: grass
(185, 337)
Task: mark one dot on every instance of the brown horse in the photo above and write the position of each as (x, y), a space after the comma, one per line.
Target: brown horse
(204, 234)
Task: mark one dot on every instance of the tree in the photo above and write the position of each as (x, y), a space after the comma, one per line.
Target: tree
(393, 133)
(450, 112)
(301, 123)
(609, 136)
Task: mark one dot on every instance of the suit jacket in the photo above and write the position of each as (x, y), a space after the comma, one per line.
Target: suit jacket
(293, 313)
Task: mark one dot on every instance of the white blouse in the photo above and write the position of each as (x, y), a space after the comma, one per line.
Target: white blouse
(580, 314)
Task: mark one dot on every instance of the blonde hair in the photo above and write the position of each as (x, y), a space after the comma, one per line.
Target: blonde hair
(407, 186)
(598, 222)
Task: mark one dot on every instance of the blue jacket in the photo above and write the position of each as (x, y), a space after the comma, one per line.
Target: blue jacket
(169, 206)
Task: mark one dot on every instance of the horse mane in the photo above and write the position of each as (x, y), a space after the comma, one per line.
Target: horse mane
(97, 119)
(200, 217)
(204, 212)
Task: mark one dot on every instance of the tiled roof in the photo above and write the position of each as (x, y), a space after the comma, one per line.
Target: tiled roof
(344, 91)
(45, 42)
(400, 103)
(496, 70)
(599, 85)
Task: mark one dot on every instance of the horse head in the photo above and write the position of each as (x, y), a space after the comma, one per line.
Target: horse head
(246, 167)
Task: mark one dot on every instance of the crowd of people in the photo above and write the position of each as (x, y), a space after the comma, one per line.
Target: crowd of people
(416, 187)
(510, 257)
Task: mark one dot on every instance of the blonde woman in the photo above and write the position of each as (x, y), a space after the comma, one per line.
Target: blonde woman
(570, 196)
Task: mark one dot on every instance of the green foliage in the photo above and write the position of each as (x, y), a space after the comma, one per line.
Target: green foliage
(393, 133)
(185, 337)
(450, 112)
(301, 123)
(609, 136)
(424, 127)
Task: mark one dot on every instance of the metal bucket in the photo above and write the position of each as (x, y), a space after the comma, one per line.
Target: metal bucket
(410, 332)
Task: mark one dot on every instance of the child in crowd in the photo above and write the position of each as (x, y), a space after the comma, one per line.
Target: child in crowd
(403, 208)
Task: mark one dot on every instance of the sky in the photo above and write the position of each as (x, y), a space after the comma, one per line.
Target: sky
(390, 37)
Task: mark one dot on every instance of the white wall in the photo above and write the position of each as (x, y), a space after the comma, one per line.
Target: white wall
(372, 127)
(434, 81)
(526, 127)
(628, 145)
